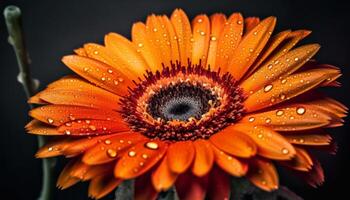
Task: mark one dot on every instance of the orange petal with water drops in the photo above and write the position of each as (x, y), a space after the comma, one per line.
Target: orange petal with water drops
(268, 49)
(217, 23)
(183, 32)
(311, 139)
(144, 190)
(98, 73)
(279, 68)
(190, 187)
(291, 117)
(201, 35)
(79, 169)
(162, 177)
(180, 156)
(126, 52)
(80, 52)
(59, 114)
(74, 91)
(93, 127)
(263, 174)
(102, 185)
(94, 171)
(314, 177)
(233, 142)
(285, 89)
(80, 145)
(291, 40)
(111, 148)
(270, 143)
(102, 54)
(39, 128)
(160, 39)
(250, 23)
(144, 45)
(228, 40)
(175, 54)
(53, 148)
(65, 180)
(219, 187)
(204, 158)
(139, 159)
(230, 164)
(250, 47)
(301, 161)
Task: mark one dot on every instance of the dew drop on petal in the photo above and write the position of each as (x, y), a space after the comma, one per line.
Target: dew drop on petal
(279, 112)
(267, 120)
(108, 141)
(301, 110)
(152, 145)
(50, 149)
(251, 119)
(92, 127)
(50, 120)
(285, 151)
(111, 153)
(132, 153)
(267, 88)
(67, 132)
(144, 156)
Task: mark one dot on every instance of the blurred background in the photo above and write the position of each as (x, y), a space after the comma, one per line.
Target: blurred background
(54, 28)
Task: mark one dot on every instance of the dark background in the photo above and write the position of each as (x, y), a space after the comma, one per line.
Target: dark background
(55, 28)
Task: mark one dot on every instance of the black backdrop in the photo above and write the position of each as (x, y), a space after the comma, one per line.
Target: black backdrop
(54, 28)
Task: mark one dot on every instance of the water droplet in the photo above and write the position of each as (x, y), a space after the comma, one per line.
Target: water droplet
(301, 110)
(283, 81)
(95, 52)
(267, 88)
(296, 59)
(132, 153)
(213, 38)
(92, 127)
(108, 141)
(144, 156)
(110, 71)
(155, 30)
(103, 78)
(112, 153)
(285, 151)
(260, 135)
(267, 120)
(50, 120)
(67, 132)
(202, 33)
(282, 96)
(251, 119)
(140, 45)
(152, 145)
(50, 149)
(200, 20)
(279, 112)
(239, 22)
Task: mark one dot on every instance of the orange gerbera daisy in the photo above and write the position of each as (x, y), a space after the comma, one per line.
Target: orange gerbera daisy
(189, 105)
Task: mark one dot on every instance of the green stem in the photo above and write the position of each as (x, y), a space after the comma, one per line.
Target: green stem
(16, 39)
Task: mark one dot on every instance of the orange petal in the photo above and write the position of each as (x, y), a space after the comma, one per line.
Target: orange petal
(250, 47)
(217, 22)
(102, 54)
(285, 89)
(162, 177)
(97, 170)
(78, 170)
(144, 190)
(279, 68)
(102, 185)
(250, 23)
(219, 185)
(52, 149)
(292, 117)
(180, 156)
(292, 39)
(309, 139)
(126, 52)
(79, 146)
(144, 45)
(204, 158)
(98, 73)
(183, 32)
(158, 33)
(190, 187)
(65, 180)
(201, 35)
(80, 52)
(59, 114)
(39, 128)
(175, 54)
(139, 159)
(269, 48)
(230, 164)
(93, 127)
(270, 144)
(111, 148)
(228, 40)
(233, 142)
(302, 161)
(263, 174)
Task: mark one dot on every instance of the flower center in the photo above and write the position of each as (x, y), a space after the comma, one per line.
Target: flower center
(183, 103)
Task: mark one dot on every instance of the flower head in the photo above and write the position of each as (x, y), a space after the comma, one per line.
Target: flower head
(189, 105)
